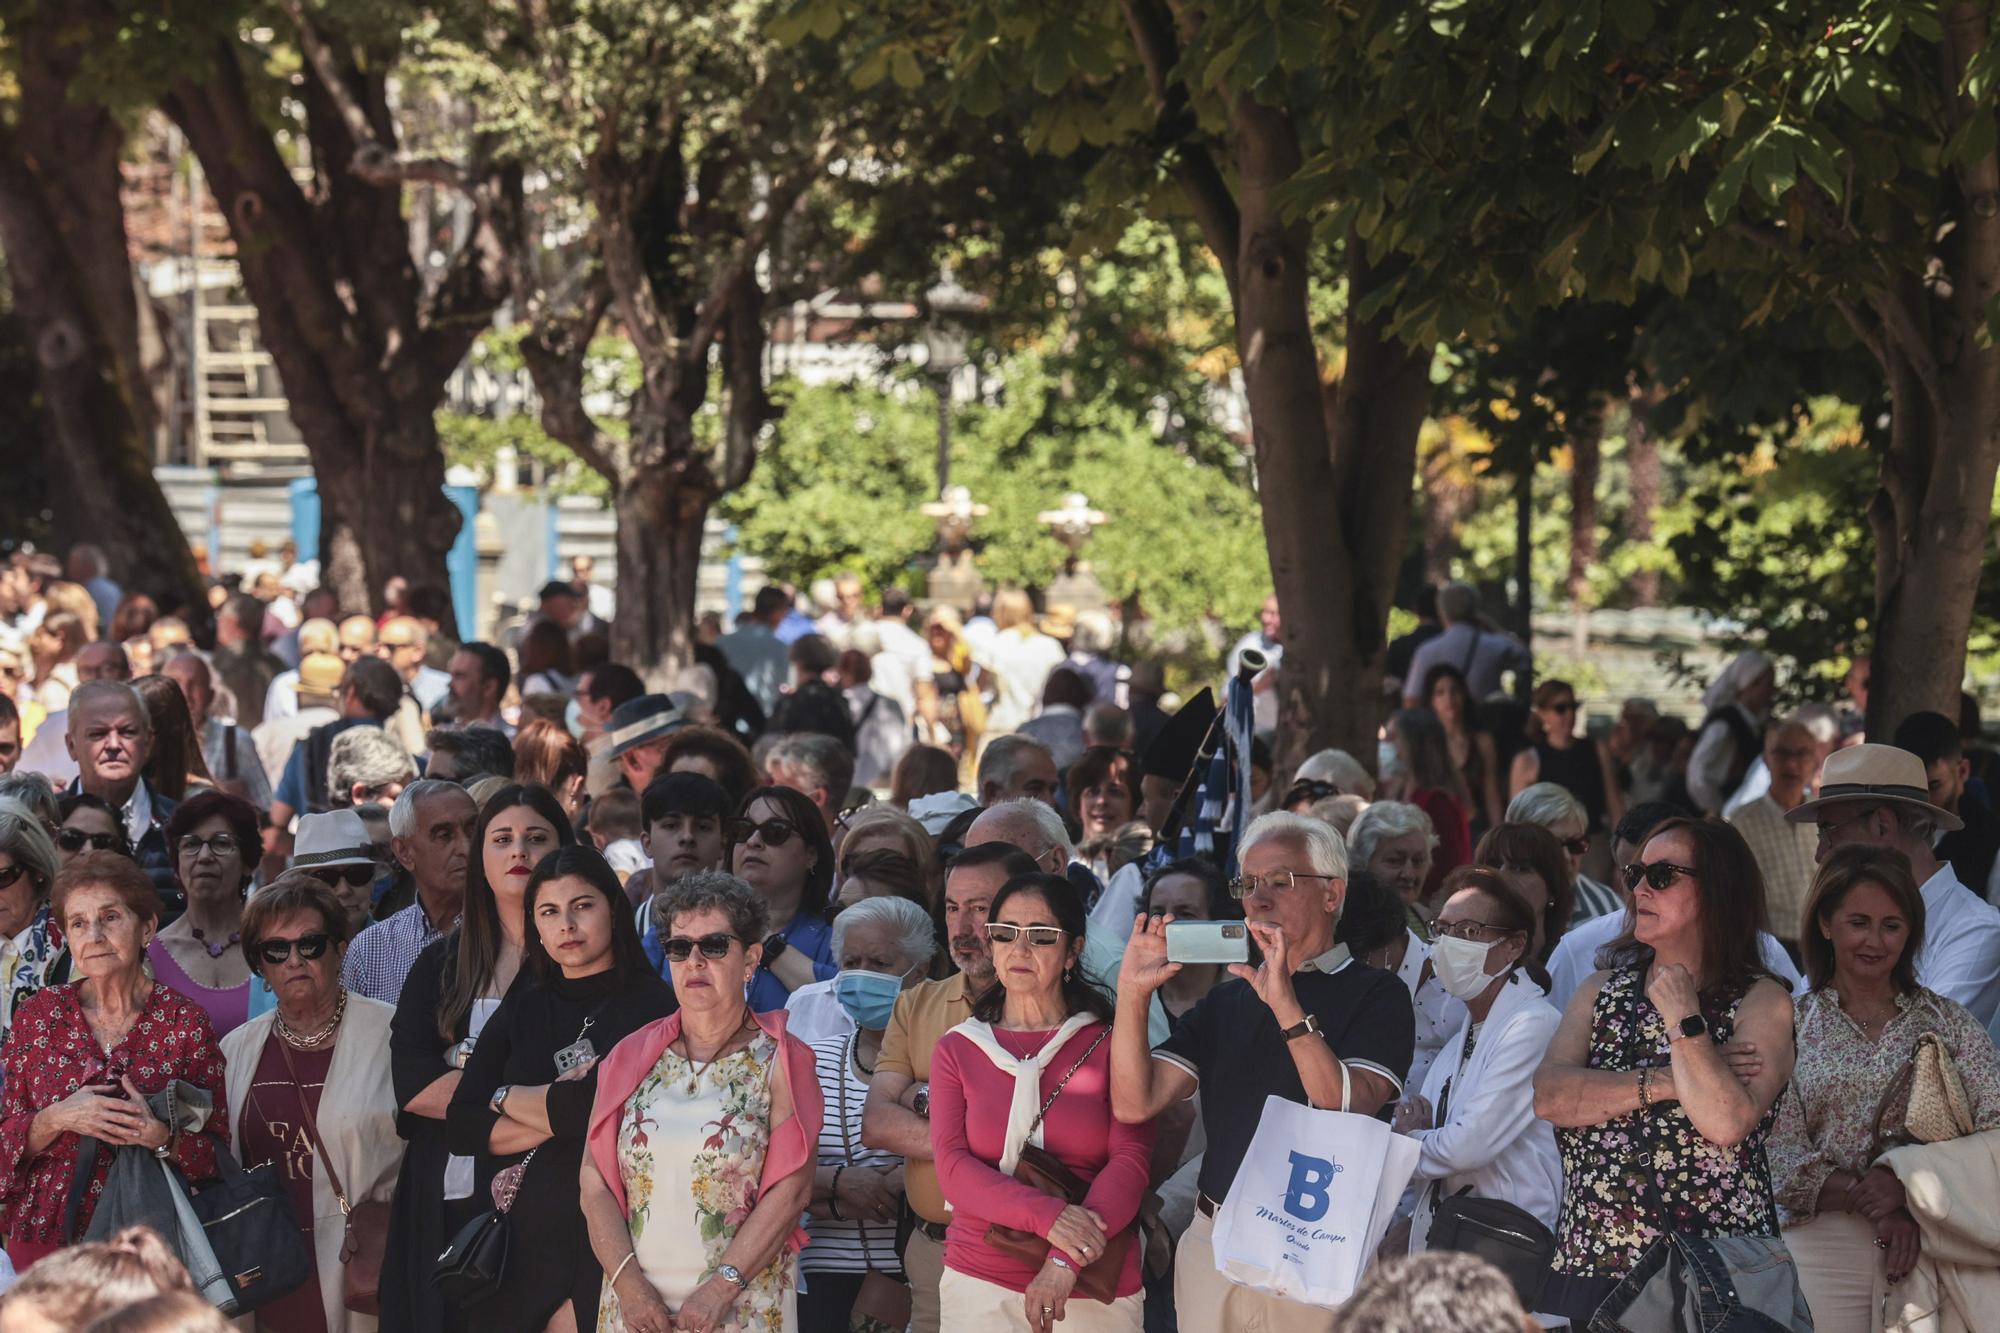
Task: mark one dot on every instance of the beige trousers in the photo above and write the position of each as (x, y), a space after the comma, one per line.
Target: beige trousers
(923, 1264)
(972, 1303)
(1206, 1300)
(1840, 1271)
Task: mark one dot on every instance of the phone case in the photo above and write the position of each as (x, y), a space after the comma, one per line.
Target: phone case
(1207, 942)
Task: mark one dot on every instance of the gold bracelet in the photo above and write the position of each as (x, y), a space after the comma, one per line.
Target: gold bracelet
(621, 1267)
(1645, 1091)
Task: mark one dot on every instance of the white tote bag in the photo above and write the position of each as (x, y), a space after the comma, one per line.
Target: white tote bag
(1315, 1193)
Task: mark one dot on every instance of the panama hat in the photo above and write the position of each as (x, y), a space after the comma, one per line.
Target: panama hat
(1874, 773)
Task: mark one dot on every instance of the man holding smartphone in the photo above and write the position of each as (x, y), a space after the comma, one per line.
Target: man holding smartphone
(897, 1115)
(1309, 1024)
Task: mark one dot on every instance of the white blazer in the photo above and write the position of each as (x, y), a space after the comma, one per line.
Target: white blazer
(1492, 1140)
(356, 1121)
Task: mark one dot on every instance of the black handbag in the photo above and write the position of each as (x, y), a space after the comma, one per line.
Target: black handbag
(472, 1266)
(247, 1217)
(1510, 1238)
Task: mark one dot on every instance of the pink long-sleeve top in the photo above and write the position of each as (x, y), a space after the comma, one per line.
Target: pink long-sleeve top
(969, 1101)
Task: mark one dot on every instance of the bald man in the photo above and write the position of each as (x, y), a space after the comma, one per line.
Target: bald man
(403, 642)
(318, 635)
(48, 754)
(229, 749)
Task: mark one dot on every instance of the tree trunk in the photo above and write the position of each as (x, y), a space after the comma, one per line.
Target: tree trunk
(63, 229)
(1586, 448)
(1642, 462)
(659, 554)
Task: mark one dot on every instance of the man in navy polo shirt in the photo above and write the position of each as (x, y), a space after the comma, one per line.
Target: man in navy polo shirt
(1310, 1024)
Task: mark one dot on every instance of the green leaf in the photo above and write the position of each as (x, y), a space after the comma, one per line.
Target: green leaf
(1594, 151)
(1699, 127)
(1632, 18)
(1720, 201)
(904, 70)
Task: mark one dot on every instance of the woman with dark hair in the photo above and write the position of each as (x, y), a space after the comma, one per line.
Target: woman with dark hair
(1427, 779)
(1102, 790)
(132, 617)
(546, 755)
(1475, 1117)
(1845, 1212)
(1532, 863)
(89, 824)
(1032, 1061)
(175, 764)
(1190, 889)
(778, 845)
(1647, 1036)
(1470, 745)
(924, 770)
(453, 990)
(546, 666)
(1397, 947)
(524, 1103)
(715, 755)
(1556, 753)
(215, 843)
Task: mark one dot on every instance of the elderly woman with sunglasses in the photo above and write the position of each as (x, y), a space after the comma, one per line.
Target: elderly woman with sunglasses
(699, 1158)
(214, 840)
(1033, 1063)
(778, 845)
(31, 954)
(1646, 1039)
(309, 1088)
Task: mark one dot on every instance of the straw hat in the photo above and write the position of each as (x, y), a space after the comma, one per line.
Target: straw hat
(1874, 773)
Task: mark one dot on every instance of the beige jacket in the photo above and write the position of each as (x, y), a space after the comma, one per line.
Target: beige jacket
(1954, 1193)
(356, 1121)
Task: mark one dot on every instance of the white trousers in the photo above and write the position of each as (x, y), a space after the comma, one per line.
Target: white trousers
(970, 1303)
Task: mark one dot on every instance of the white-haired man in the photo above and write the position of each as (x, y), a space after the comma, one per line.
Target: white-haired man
(1310, 1024)
(1012, 767)
(430, 831)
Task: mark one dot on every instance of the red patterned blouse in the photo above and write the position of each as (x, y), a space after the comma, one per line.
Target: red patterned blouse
(50, 1054)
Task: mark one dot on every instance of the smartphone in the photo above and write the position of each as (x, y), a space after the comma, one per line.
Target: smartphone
(1208, 942)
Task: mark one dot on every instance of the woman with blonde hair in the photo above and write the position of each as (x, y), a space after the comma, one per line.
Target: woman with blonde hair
(959, 680)
(1021, 657)
(875, 827)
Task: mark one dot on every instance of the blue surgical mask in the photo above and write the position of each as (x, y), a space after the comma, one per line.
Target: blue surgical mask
(1388, 761)
(868, 997)
(573, 718)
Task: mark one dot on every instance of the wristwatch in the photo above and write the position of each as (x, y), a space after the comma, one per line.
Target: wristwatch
(1694, 1025)
(731, 1273)
(499, 1098)
(773, 947)
(1306, 1025)
(921, 1103)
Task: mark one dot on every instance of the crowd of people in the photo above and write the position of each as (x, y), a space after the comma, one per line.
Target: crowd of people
(832, 989)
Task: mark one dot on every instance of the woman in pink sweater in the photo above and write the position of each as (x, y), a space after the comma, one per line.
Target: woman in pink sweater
(1032, 1066)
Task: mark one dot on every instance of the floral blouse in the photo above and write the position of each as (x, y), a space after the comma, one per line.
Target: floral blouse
(1608, 1219)
(26, 962)
(50, 1053)
(1826, 1119)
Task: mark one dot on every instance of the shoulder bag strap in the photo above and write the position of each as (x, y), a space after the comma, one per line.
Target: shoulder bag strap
(312, 1129)
(1066, 1078)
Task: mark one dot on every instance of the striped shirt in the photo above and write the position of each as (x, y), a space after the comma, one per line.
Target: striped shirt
(843, 1246)
(379, 960)
(1594, 899)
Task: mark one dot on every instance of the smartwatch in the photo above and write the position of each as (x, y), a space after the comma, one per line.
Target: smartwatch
(1304, 1027)
(499, 1098)
(773, 947)
(1694, 1025)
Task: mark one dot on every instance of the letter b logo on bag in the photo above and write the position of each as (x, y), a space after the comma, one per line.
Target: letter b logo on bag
(1308, 1193)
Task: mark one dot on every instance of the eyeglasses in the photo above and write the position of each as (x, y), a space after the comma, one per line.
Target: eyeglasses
(222, 844)
(1827, 830)
(774, 832)
(10, 874)
(355, 876)
(1041, 937)
(1467, 930)
(1566, 706)
(276, 951)
(1659, 876)
(76, 839)
(1577, 846)
(679, 947)
(1309, 789)
(1278, 881)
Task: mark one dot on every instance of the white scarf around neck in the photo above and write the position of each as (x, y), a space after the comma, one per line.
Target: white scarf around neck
(1027, 1072)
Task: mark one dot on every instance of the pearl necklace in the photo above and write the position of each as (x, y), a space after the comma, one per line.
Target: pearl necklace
(317, 1039)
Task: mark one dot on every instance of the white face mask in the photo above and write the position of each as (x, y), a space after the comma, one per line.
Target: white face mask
(1461, 965)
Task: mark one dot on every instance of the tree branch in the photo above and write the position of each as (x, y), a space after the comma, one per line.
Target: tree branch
(1208, 193)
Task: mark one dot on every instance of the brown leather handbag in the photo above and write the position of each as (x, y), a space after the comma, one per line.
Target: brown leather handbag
(1044, 1171)
(367, 1233)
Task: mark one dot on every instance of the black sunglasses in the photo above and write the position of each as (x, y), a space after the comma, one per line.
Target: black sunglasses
(276, 951)
(774, 832)
(355, 876)
(1659, 876)
(1577, 846)
(1309, 789)
(1567, 706)
(11, 874)
(679, 947)
(75, 839)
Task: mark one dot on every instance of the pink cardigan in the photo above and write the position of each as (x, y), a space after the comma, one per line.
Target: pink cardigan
(631, 1060)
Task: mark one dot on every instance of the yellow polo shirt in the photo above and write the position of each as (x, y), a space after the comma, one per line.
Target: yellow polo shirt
(923, 1015)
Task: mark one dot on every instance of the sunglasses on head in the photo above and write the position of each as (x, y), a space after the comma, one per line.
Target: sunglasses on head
(680, 947)
(354, 876)
(1658, 876)
(76, 839)
(276, 951)
(774, 832)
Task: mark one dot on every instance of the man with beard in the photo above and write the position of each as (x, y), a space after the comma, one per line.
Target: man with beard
(897, 1118)
(430, 831)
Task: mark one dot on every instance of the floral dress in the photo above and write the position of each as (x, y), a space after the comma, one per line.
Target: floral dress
(1608, 1218)
(691, 1145)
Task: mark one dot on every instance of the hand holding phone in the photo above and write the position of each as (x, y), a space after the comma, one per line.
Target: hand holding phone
(1208, 942)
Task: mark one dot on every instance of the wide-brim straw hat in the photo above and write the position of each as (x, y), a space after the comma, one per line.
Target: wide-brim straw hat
(1879, 773)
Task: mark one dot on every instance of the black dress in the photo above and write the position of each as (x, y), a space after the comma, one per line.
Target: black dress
(421, 1220)
(518, 1046)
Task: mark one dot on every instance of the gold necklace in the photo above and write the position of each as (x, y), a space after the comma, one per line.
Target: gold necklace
(313, 1041)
